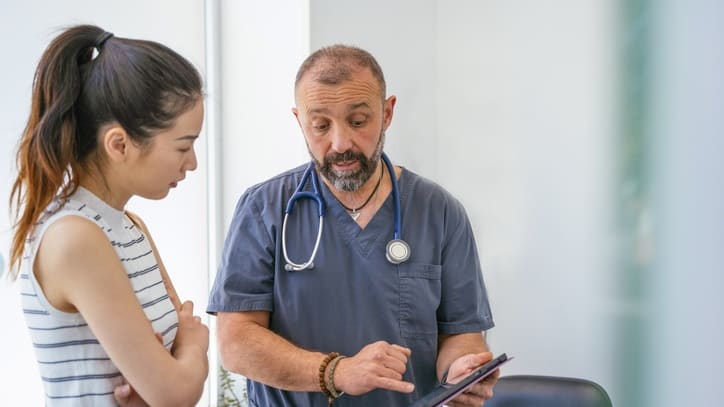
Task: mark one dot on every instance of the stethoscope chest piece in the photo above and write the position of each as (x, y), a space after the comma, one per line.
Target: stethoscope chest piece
(398, 251)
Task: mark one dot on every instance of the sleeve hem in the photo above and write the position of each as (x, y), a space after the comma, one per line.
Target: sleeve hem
(213, 309)
(453, 329)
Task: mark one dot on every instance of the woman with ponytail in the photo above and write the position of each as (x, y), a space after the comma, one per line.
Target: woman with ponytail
(110, 118)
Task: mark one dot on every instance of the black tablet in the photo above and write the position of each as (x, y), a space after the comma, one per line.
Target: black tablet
(444, 393)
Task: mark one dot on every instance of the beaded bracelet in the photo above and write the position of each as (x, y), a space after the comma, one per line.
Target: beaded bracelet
(332, 366)
(322, 383)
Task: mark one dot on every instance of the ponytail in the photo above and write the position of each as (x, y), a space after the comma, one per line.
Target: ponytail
(44, 157)
(86, 78)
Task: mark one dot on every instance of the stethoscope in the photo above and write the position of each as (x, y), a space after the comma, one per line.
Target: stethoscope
(397, 250)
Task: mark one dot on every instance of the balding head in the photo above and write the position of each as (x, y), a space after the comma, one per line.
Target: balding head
(334, 64)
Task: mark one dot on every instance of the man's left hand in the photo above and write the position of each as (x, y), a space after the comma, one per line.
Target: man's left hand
(479, 392)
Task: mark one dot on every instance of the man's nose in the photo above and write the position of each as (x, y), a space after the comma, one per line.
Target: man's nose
(341, 139)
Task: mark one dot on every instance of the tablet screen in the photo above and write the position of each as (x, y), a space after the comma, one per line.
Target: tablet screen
(444, 393)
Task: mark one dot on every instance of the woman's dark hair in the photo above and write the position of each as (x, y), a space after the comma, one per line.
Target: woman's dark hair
(85, 79)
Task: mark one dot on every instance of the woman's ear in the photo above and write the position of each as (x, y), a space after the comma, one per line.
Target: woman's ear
(116, 143)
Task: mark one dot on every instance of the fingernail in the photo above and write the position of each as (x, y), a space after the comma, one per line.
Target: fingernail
(125, 390)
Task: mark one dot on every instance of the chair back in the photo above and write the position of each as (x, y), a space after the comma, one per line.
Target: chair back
(547, 391)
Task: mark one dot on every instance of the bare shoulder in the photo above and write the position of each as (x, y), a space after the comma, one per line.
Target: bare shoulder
(73, 251)
(71, 237)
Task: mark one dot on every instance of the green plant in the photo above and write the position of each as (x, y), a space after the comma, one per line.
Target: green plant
(228, 389)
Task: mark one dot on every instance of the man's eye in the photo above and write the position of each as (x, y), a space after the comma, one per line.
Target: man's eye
(357, 121)
(320, 126)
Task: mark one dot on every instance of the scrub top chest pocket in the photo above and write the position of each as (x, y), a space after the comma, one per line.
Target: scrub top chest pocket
(420, 290)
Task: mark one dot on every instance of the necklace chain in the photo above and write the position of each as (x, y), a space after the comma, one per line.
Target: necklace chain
(353, 211)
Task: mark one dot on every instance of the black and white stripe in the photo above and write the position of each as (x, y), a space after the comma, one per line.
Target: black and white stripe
(74, 367)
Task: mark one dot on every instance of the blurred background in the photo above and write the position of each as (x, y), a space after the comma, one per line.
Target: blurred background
(583, 137)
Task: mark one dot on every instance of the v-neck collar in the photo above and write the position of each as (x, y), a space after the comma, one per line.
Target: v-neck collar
(379, 227)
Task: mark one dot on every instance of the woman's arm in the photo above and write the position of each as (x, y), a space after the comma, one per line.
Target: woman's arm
(79, 271)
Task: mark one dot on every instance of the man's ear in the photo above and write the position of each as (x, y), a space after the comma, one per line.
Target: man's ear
(388, 111)
(116, 143)
(295, 111)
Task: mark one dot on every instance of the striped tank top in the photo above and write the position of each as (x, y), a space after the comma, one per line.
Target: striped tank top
(74, 367)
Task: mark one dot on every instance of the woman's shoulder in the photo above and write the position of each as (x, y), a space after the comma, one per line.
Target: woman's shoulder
(72, 234)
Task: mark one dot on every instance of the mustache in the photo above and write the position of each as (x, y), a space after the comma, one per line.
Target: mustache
(335, 158)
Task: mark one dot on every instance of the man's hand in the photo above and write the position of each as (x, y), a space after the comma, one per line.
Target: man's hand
(479, 392)
(378, 365)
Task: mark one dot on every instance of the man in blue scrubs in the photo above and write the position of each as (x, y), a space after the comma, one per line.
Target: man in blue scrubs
(355, 329)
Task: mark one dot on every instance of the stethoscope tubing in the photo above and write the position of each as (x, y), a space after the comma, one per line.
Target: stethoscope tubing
(395, 197)
(397, 250)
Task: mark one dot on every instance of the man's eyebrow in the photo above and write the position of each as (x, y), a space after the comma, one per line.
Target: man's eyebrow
(351, 107)
(358, 105)
(318, 110)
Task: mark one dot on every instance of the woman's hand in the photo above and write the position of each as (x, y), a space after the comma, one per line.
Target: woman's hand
(191, 332)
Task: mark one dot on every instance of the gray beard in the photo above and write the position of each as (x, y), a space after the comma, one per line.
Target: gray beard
(350, 181)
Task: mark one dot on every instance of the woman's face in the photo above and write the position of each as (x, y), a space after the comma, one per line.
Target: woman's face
(164, 162)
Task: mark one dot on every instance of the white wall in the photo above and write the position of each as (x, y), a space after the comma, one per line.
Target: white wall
(532, 102)
(26, 28)
(262, 44)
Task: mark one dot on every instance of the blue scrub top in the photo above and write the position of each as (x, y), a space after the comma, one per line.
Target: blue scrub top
(353, 296)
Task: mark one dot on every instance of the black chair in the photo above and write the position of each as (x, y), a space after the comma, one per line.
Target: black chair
(547, 391)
